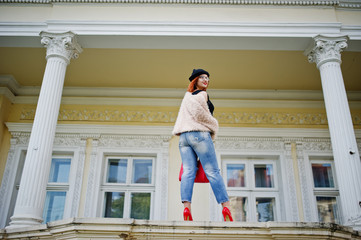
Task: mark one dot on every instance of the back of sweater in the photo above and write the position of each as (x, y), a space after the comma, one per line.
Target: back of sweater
(194, 115)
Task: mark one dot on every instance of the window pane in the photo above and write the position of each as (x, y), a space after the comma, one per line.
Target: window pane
(322, 175)
(140, 205)
(238, 208)
(117, 170)
(236, 175)
(327, 209)
(59, 171)
(265, 207)
(114, 204)
(264, 175)
(142, 171)
(54, 206)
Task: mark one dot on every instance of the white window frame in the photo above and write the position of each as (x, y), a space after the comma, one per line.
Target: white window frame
(250, 191)
(128, 187)
(324, 191)
(64, 187)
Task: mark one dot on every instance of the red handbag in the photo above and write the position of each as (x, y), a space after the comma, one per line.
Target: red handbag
(200, 174)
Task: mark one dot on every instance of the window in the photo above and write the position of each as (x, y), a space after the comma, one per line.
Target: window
(128, 187)
(58, 186)
(325, 189)
(252, 187)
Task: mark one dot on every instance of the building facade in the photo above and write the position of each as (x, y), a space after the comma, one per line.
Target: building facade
(90, 91)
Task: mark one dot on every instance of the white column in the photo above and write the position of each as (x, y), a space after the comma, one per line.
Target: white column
(326, 53)
(32, 192)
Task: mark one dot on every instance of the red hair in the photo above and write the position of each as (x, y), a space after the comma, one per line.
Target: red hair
(193, 85)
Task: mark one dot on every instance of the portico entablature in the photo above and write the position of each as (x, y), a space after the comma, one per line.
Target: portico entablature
(180, 35)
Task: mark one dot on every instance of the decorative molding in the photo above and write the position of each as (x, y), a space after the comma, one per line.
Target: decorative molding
(60, 140)
(164, 179)
(319, 145)
(349, 4)
(134, 142)
(8, 94)
(326, 49)
(90, 191)
(78, 179)
(290, 183)
(149, 116)
(273, 118)
(215, 2)
(307, 193)
(239, 143)
(354, 32)
(62, 45)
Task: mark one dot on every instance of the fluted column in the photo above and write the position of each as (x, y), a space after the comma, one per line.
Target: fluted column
(326, 53)
(32, 192)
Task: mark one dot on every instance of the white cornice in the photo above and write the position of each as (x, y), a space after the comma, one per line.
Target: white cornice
(10, 82)
(348, 4)
(167, 130)
(163, 28)
(7, 93)
(351, 30)
(151, 28)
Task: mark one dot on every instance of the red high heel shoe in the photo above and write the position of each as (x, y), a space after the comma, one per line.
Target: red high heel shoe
(227, 215)
(187, 215)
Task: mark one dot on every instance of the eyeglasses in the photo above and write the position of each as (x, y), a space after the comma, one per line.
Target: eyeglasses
(204, 77)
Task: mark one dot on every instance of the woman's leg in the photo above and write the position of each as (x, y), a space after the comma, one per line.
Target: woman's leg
(189, 160)
(203, 146)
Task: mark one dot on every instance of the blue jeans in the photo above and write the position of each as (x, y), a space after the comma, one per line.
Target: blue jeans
(191, 145)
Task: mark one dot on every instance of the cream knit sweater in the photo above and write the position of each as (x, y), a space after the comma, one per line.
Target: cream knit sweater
(194, 115)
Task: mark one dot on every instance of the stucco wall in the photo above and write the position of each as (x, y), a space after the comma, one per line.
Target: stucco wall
(5, 107)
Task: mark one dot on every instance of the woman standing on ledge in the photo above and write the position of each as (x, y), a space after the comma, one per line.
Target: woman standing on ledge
(197, 127)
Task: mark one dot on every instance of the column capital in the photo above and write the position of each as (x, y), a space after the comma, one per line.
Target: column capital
(63, 45)
(326, 49)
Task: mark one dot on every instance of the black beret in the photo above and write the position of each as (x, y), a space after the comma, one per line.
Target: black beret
(197, 72)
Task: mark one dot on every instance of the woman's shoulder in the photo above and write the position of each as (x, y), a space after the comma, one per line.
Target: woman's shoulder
(202, 94)
(199, 94)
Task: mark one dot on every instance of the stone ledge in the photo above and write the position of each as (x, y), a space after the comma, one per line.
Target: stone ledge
(105, 228)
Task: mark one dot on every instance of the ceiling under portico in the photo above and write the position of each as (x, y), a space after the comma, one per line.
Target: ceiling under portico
(170, 68)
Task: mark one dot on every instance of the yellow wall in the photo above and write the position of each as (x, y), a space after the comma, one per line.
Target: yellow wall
(5, 106)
